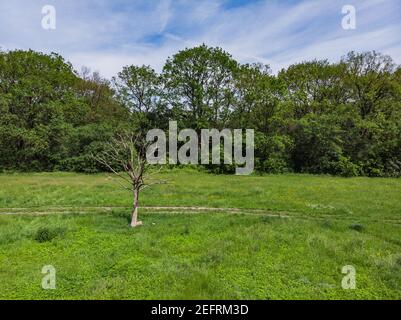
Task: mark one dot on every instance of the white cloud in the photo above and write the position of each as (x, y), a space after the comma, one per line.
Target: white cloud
(106, 35)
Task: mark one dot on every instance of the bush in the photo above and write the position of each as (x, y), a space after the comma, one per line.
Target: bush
(357, 227)
(393, 168)
(45, 234)
(275, 166)
(272, 153)
(318, 145)
(344, 167)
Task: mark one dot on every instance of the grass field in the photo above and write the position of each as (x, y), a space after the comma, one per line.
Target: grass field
(264, 237)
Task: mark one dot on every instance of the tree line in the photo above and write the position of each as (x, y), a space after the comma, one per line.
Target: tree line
(315, 117)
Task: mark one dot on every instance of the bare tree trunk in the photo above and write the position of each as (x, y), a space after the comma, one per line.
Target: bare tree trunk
(134, 221)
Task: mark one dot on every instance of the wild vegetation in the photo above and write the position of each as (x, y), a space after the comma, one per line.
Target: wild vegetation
(206, 234)
(314, 117)
(262, 237)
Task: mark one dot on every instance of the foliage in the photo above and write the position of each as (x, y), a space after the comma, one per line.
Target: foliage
(314, 117)
(46, 234)
(199, 86)
(47, 110)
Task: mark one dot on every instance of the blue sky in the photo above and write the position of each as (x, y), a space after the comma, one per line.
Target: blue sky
(106, 35)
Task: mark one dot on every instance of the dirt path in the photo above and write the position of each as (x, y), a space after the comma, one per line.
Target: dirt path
(52, 210)
(185, 210)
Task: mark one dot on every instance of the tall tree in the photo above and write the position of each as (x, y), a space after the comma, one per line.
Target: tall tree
(37, 99)
(313, 87)
(139, 90)
(368, 79)
(199, 86)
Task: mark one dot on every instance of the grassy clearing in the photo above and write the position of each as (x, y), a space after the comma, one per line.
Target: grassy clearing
(197, 257)
(209, 255)
(312, 195)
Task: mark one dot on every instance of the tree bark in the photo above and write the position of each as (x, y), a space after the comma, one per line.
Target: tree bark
(134, 221)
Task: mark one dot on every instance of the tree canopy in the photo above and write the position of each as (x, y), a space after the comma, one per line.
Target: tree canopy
(339, 118)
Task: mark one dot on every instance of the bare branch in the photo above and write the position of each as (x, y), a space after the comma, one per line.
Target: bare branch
(128, 152)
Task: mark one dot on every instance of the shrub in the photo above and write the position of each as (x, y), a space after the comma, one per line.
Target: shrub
(357, 227)
(45, 234)
(344, 167)
(275, 165)
(268, 219)
(272, 153)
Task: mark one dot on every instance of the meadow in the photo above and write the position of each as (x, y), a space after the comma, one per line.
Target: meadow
(204, 237)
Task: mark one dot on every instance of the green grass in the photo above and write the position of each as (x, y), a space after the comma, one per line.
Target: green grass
(330, 222)
(313, 195)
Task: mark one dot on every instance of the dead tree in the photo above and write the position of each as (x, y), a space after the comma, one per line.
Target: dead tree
(125, 157)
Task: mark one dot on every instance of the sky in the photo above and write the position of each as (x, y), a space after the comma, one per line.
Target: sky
(106, 35)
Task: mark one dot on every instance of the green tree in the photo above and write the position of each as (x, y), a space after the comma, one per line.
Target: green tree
(37, 98)
(139, 90)
(199, 86)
